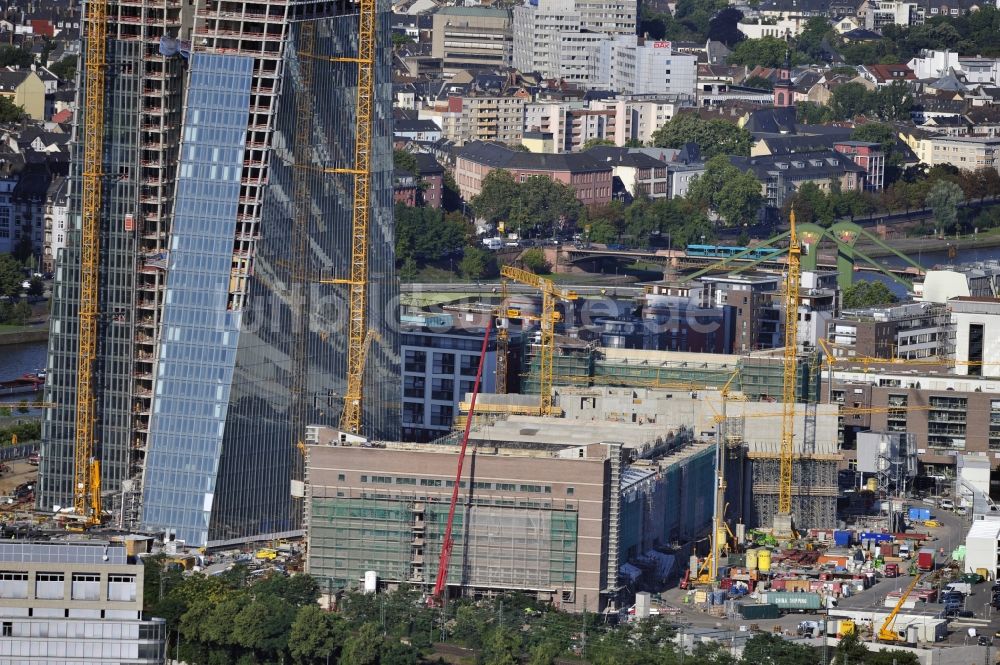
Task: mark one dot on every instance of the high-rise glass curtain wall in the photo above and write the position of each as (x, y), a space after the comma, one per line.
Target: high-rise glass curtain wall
(199, 335)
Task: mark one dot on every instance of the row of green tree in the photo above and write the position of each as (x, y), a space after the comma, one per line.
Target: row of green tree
(24, 431)
(941, 188)
(231, 618)
(851, 100)
(974, 32)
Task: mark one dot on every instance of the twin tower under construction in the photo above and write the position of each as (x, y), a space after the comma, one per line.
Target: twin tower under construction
(224, 259)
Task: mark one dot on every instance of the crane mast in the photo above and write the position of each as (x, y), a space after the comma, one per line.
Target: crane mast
(792, 281)
(86, 477)
(503, 341)
(357, 283)
(547, 323)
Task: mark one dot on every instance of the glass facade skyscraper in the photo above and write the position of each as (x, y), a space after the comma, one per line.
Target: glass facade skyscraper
(200, 439)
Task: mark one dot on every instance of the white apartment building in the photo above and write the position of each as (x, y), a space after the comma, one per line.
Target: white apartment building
(880, 13)
(976, 322)
(580, 59)
(934, 64)
(783, 28)
(621, 119)
(563, 38)
(536, 31)
(56, 222)
(965, 152)
(646, 67)
(612, 17)
(980, 70)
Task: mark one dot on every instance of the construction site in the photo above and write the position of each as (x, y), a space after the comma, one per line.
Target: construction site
(697, 452)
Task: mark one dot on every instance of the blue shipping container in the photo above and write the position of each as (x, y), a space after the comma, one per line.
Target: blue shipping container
(842, 538)
(876, 537)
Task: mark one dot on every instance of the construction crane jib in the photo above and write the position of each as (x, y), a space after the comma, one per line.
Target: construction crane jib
(86, 472)
(792, 282)
(547, 323)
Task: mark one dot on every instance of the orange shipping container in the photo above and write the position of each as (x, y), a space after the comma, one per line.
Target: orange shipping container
(839, 561)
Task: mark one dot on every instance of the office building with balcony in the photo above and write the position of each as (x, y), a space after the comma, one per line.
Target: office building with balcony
(910, 331)
(471, 38)
(947, 413)
(440, 354)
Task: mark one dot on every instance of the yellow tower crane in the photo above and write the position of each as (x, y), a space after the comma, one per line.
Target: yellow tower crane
(357, 281)
(783, 519)
(86, 471)
(350, 418)
(547, 323)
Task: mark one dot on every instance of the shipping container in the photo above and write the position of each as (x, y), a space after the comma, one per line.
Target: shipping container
(842, 538)
(796, 585)
(761, 611)
(794, 602)
(876, 538)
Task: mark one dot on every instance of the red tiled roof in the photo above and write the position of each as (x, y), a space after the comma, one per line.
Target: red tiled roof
(898, 72)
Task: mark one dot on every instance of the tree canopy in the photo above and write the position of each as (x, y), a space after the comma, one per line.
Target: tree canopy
(533, 208)
(690, 21)
(973, 32)
(867, 294)
(425, 235)
(9, 111)
(714, 137)
(14, 56)
(65, 68)
(766, 52)
(943, 199)
(10, 276)
(734, 194)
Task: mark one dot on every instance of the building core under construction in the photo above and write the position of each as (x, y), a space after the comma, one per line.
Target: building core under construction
(752, 444)
(224, 270)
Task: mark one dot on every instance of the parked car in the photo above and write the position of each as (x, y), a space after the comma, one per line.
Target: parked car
(961, 510)
(947, 504)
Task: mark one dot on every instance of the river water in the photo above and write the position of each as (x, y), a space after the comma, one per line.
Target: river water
(940, 257)
(18, 359)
